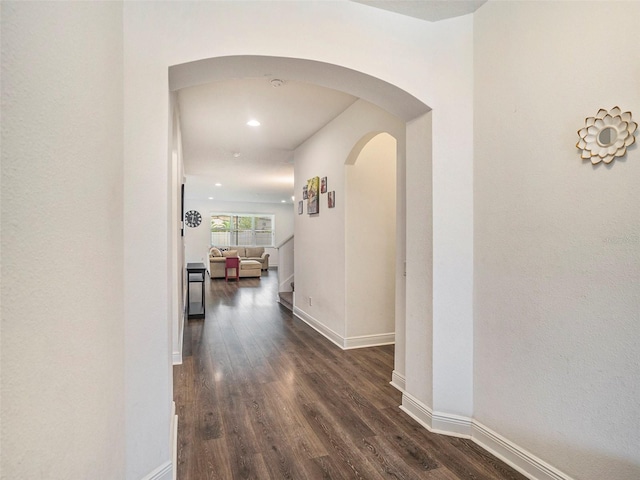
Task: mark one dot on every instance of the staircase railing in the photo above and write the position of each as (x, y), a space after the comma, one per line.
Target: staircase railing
(285, 265)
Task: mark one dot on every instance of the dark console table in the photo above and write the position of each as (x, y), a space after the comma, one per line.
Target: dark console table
(196, 273)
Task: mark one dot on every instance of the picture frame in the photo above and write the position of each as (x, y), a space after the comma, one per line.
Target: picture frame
(300, 207)
(313, 196)
(323, 185)
(331, 199)
(305, 193)
(182, 210)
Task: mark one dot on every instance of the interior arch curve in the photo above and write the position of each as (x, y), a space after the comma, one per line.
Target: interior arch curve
(374, 90)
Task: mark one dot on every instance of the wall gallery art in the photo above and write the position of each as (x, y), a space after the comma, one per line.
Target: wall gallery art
(331, 199)
(323, 185)
(313, 195)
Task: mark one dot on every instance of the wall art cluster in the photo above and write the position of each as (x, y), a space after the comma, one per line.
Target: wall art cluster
(311, 193)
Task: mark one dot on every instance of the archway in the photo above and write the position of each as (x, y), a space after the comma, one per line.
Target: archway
(389, 98)
(370, 233)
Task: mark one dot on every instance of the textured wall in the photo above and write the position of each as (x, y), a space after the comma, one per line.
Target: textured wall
(557, 249)
(62, 288)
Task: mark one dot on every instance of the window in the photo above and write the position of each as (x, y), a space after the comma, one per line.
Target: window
(242, 229)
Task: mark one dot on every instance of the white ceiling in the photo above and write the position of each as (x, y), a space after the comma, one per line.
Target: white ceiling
(253, 164)
(214, 126)
(430, 10)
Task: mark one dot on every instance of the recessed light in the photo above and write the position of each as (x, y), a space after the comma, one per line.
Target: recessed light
(236, 154)
(283, 201)
(276, 82)
(210, 198)
(293, 199)
(218, 184)
(253, 123)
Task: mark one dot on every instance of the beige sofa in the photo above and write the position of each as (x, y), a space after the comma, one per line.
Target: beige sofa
(252, 261)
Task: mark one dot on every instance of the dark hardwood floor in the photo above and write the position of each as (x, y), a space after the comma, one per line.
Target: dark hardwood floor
(261, 395)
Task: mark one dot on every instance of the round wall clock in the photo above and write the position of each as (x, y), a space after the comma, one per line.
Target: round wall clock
(192, 218)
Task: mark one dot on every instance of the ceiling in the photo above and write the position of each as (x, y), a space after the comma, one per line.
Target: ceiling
(252, 163)
(255, 163)
(430, 10)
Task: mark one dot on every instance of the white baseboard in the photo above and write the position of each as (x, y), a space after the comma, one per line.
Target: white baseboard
(519, 458)
(458, 426)
(347, 343)
(363, 341)
(163, 472)
(319, 327)
(398, 381)
(174, 440)
(452, 425)
(166, 470)
(177, 354)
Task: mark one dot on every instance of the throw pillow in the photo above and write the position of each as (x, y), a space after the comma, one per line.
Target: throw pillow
(230, 253)
(215, 252)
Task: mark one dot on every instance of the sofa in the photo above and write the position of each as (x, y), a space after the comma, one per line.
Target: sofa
(252, 261)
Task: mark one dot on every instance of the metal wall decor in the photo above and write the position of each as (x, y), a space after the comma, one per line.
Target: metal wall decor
(606, 136)
(193, 218)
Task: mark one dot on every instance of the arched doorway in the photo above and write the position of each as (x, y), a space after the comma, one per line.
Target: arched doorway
(370, 237)
(413, 297)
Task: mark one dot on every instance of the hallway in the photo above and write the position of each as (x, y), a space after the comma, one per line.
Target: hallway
(261, 395)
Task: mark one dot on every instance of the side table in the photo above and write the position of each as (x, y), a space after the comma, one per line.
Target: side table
(196, 273)
(232, 263)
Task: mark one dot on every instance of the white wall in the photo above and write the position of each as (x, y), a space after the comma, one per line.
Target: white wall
(431, 61)
(452, 211)
(556, 252)
(419, 265)
(176, 239)
(320, 252)
(557, 244)
(62, 241)
(370, 245)
(198, 240)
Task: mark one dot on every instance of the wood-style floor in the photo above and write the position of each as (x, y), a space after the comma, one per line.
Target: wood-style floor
(260, 395)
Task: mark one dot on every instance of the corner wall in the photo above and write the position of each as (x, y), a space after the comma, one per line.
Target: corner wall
(557, 240)
(320, 254)
(63, 356)
(176, 239)
(370, 231)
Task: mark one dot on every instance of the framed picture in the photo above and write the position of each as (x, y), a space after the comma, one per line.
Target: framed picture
(332, 199)
(182, 210)
(313, 196)
(323, 185)
(305, 194)
(300, 207)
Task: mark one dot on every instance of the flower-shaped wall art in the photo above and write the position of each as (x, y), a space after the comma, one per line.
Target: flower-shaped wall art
(606, 136)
